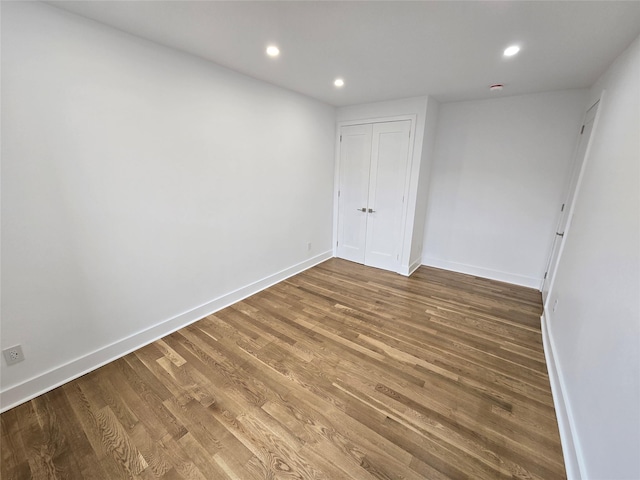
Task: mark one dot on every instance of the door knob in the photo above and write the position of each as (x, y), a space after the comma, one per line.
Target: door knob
(371, 210)
(361, 209)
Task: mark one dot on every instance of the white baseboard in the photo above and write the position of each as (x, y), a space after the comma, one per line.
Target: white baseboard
(513, 278)
(413, 266)
(29, 389)
(573, 462)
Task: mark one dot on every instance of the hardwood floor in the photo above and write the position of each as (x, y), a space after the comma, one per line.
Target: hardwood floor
(340, 372)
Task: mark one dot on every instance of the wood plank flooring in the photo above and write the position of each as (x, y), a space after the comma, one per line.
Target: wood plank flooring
(341, 372)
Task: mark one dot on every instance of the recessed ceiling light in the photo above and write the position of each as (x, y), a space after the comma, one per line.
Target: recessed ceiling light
(338, 82)
(273, 51)
(511, 51)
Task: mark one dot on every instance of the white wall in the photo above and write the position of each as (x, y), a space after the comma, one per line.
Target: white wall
(426, 163)
(407, 106)
(500, 167)
(595, 329)
(139, 183)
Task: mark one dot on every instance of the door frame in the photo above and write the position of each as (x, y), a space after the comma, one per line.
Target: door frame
(570, 203)
(410, 164)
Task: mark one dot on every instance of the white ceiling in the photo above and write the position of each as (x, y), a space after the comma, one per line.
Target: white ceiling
(385, 50)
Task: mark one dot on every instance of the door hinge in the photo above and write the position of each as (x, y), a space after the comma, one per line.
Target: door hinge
(340, 137)
(336, 243)
(582, 130)
(545, 275)
(338, 193)
(562, 208)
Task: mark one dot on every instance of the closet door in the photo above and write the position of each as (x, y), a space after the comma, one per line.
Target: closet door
(387, 185)
(355, 162)
(372, 182)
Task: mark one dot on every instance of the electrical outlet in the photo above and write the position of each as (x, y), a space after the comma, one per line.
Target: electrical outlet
(555, 305)
(13, 354)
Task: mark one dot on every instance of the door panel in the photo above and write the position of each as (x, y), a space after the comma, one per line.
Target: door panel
(564, 223)
(389, 157)
(355, 160)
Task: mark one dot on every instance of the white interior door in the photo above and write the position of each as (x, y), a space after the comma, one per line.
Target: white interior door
(389, 157)
(563, 223)
(353, 191)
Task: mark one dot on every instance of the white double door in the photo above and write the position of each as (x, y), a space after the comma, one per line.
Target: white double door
(372, 183)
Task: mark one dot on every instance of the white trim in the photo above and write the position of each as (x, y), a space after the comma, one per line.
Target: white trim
(29, 389)
(573, 459)
(392, 118)
(336, 190)
(514, 278)
(408, 271)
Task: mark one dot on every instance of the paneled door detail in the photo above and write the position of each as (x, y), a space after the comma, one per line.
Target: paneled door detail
(372, 183)
(389, 156)
(565, 210)
(353, 191)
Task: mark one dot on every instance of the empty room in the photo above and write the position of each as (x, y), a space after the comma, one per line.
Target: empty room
(320, 240)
